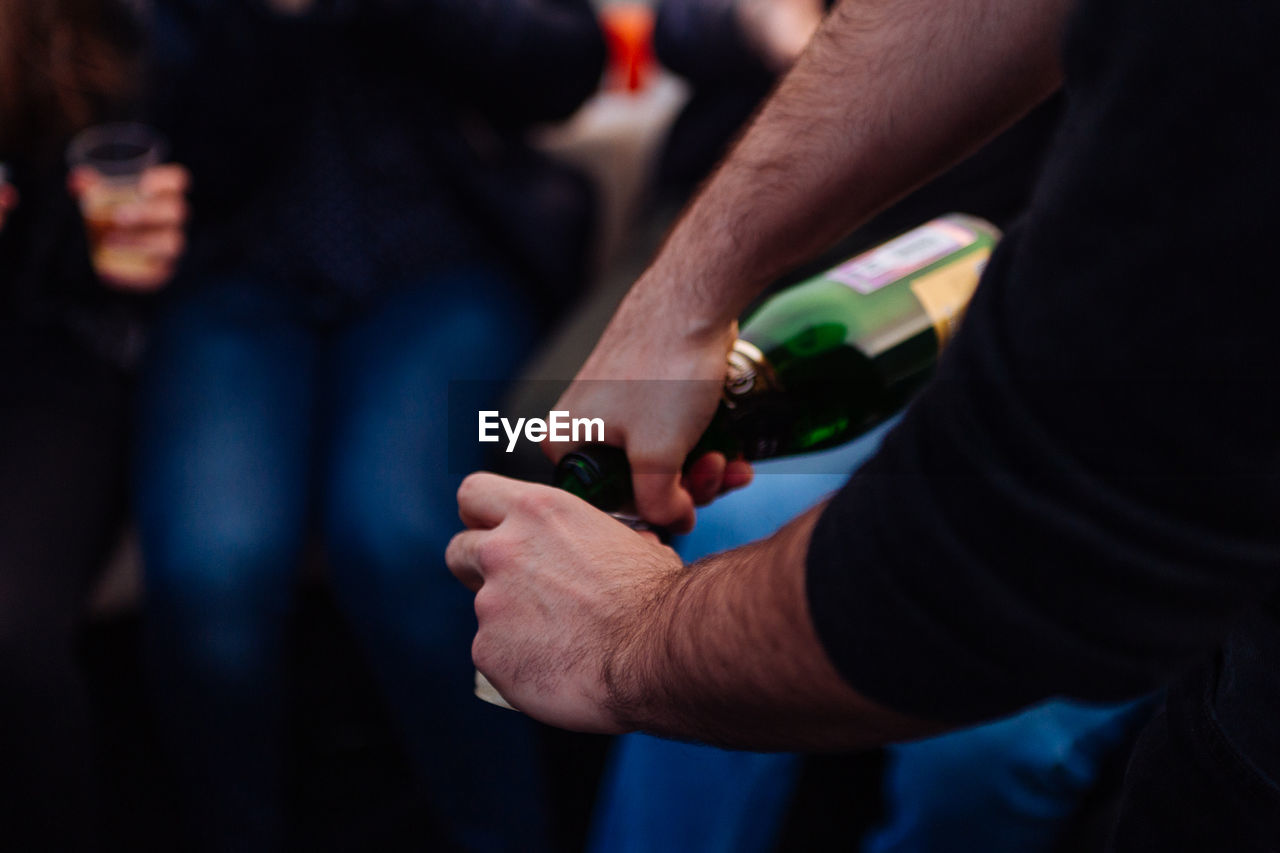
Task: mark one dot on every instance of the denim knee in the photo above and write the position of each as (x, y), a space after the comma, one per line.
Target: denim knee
(218, 590)
(387, 562)
(383, 547)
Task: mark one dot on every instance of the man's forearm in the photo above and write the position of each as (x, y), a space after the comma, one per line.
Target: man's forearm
(889, 94)
(729, 656)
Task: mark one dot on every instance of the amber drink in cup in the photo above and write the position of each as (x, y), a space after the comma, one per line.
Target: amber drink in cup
(116, 156)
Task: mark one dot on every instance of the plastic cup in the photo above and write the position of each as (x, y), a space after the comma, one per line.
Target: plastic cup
(117, 155)
(489, 693)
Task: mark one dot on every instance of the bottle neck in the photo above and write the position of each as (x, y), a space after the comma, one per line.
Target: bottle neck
(597, 473)
(749, 372)
(601, 475)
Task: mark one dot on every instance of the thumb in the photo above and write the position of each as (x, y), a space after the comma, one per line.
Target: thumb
(661, 500)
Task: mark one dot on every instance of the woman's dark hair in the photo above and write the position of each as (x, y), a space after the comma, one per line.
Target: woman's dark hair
(62, 62)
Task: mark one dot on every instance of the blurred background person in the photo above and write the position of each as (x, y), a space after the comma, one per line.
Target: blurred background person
(68, 339)
(370, 227)
(731, 52)
(1011, 785)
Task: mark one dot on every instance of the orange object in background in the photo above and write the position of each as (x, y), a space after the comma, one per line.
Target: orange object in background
(628, 30)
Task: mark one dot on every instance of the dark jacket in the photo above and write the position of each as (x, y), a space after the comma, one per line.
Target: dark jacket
(339, 151)
(703, 42)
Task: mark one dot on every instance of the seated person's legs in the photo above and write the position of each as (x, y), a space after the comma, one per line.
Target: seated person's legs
(389, 511)
(1009, 785)
(223, 459)
(666, 795)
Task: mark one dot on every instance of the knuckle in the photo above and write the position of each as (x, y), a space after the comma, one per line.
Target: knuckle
(537, 502)
(453, 553)
(544, 503)
(485, 605)
(468, 487)
(494, 553)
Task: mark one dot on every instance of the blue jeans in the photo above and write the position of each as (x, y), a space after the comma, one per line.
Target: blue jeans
(1003, 787)
(264, 423)
(1007, 786)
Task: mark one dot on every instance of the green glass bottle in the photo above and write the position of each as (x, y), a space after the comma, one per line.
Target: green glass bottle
(824, 361)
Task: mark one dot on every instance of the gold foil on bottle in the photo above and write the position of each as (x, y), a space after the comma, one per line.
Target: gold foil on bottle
(749, 371)
(945, 292)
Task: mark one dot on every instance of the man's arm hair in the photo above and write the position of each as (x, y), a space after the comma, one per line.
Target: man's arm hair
(889, 94)
(729, 657)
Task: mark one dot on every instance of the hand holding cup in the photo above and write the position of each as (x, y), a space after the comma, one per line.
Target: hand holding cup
(8, 195)
(134, 208)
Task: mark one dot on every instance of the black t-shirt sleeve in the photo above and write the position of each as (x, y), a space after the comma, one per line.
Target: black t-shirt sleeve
(1088, 495)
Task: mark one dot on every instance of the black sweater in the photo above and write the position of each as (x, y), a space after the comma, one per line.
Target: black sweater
(330, 150)
(1086, 501)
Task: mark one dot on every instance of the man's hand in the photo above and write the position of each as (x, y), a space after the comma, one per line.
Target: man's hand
(660, 383)
(561, 590)
(154, 224)
(888, 94)
(588, 625)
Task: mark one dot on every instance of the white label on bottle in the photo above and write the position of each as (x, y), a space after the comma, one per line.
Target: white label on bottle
(902, 256)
